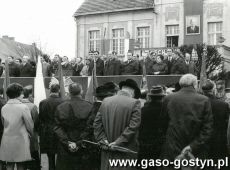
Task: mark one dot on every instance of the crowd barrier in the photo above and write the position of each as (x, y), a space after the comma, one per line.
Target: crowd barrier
(167, 80)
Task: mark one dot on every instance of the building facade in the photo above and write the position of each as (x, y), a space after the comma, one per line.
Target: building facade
(106, 25)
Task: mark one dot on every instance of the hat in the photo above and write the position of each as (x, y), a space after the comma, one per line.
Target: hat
(111, 87)
(108, 89)
(208, 86)
(132, 84)
(156, 91)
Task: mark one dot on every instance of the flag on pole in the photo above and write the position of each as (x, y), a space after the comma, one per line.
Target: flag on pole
(203, 74)
(92, 85)
(39, 87)
(60, 79)
(6, 79)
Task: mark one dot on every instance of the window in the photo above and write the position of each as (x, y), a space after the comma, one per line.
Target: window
(94, 40)
(214, 33)
(118, 41)
(143, 36)
(172, 35)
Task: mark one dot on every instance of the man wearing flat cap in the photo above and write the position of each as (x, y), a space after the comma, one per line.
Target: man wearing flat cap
(117, 123)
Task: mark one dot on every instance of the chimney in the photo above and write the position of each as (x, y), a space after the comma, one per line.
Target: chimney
(6, 37)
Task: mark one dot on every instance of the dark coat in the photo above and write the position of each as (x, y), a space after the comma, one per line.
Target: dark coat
(218, 142)
(118, 120)
(99, 67)
(47, 109)
(160, 67)
(14, 70)
(26, 70)
(191, 30)
(77, 69)
(151, 132)
(112, 67)
(71, 120)
(94, 154)
(169, 64)
(130, 68)
(67, 69)
(190, 123)
(54, 68)
(2, 103)
(1, 70)
(178, 67)
(190, 68)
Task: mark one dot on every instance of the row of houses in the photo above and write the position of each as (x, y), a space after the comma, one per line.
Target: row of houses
(112, 25)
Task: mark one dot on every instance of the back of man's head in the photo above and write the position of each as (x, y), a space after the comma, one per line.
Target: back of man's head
(54, 88)
(75, 89)
(27, 92)
(188, 80)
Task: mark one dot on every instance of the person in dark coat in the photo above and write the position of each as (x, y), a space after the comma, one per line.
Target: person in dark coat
(160, 68)
(99, 64)
(149, 62)
(117, 123)
(26, 68)
(54, 65)
(151, 132)
(130, 67)
(35, 164)
(190, 121)
(178, 64)
(14, 69)
(170, 60)
(189, 65)
(77, 66)
(66, 67)
(48, 140)
(102, 92)
(1, 68)
(71, 128)
(220, 110)
(113, 65)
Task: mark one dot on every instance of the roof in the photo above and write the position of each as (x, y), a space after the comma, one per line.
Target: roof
(106, 6)
(9, 47)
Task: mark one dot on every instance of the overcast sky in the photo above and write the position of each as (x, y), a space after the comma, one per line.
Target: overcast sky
(46, 22)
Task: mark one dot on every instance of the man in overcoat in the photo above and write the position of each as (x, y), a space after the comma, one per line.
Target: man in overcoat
(190, 121)
(48, 140)
(220, 110)
(117, 123)
(112, 65)
(131, 66)
(70, 127)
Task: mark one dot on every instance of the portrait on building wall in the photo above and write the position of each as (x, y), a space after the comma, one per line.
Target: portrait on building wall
(192, 24)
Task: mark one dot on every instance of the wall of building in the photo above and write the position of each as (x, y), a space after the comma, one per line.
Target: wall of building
(167, 12)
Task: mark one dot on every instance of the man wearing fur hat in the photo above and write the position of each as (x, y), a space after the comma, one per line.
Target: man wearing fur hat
(117, 123)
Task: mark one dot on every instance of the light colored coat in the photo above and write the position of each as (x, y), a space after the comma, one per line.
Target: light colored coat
(18, 126)
(118, 120)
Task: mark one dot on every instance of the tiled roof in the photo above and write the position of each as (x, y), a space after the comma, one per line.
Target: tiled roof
(104, 6)
(16, 49)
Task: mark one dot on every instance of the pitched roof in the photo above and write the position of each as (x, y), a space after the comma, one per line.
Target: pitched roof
(105, 6)
(10, 47)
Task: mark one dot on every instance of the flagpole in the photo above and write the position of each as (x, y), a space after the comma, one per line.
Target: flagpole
(6, 79)
(60, 79)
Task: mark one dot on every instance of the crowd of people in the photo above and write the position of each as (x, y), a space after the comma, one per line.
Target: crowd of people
(172, 63)
(84, 135)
